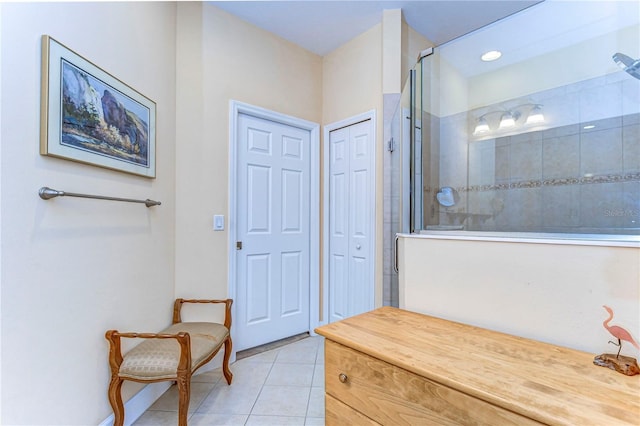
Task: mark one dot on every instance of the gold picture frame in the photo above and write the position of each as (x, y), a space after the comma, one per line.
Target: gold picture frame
(89, 116)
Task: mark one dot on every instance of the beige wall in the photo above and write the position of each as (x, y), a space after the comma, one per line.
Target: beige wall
(401, 46)
(548, 292)
(221, 58)
(393, 37)
(352, 77)
(352, 85)
(412, 44)
(74, 268)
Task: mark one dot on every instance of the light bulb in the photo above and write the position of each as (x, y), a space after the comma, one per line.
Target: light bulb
(507, 120)
(482, 126)
(535, 116)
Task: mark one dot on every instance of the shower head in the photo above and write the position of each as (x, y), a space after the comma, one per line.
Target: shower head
(632, 67)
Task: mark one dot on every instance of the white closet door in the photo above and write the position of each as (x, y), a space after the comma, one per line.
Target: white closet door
(351, 207)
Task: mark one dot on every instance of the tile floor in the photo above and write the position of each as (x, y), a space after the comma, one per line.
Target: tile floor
(283, 386)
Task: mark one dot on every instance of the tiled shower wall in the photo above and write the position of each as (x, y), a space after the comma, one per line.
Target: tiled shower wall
(391, 200)
(563, 178)
(566, 179)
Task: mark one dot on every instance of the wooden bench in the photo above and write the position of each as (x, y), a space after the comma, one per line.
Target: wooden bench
(174, 354)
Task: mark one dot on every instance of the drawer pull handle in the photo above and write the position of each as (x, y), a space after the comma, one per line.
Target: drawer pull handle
(342, 377)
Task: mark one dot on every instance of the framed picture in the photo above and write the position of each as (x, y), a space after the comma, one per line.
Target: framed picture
(88, 115)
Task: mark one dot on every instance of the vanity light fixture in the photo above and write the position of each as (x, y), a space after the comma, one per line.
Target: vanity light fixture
(509, 118)
(491, 55)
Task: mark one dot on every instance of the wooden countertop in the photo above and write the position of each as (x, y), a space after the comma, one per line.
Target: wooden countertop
(548, 383)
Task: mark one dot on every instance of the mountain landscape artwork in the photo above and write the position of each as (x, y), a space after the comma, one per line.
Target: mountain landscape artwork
(91, 117)
(98, 118)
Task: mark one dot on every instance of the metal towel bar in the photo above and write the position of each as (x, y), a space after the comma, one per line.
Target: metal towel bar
(48, 193)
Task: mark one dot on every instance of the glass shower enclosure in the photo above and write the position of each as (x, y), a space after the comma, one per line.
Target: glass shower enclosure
(540, 140)
(543, 139)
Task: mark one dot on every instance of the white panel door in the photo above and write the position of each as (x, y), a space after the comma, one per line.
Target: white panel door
(273, 210)
(351, 207)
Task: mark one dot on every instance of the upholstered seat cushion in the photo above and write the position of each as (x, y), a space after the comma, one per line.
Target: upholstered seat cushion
(158, 358)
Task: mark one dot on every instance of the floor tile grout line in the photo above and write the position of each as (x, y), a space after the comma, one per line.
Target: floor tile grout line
(215, 384)
(262, 387)
(315, 365)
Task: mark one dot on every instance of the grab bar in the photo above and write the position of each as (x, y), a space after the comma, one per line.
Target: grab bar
(395, 258)
(48, 193)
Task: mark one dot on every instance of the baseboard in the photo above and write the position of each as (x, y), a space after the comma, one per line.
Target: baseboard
(140, 402)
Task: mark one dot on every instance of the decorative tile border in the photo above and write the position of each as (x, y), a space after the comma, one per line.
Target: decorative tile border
(610, 178)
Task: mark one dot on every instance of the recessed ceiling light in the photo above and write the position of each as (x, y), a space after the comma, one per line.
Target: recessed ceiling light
(491, 55)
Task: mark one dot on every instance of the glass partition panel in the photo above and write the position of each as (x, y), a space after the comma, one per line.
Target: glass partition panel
(400, 161)
(544, 139)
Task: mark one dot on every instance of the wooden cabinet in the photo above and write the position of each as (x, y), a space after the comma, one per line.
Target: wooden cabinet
(395, 367)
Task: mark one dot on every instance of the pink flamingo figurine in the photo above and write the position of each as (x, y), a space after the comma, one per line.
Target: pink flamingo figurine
(618, 332)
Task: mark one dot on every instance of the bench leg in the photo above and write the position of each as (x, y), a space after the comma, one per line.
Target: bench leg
(228, 375)
(115, 399)
(184, 394)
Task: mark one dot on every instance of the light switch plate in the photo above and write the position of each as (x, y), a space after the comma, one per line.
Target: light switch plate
(218, 222)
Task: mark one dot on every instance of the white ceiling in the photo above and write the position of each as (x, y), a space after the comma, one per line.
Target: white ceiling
(542, 29)
(322, 26)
